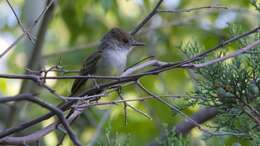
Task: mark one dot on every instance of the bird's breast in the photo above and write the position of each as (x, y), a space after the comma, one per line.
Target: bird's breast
(112, 62)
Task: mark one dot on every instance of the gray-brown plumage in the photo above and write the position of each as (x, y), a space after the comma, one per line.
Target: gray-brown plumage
(109, 60)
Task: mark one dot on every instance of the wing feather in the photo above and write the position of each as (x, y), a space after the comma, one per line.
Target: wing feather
(88, 68)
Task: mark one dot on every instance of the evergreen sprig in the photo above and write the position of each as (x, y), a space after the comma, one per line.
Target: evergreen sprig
(232, 86)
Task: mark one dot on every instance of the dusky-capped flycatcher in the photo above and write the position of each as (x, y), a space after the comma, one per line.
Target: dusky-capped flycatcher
(109, 60)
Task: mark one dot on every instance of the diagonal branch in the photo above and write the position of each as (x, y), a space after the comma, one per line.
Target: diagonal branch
(58, 112)
(24, 34)
(147, 18)
(30, 37)
(220, 59)
(172, 107)
(186, 125)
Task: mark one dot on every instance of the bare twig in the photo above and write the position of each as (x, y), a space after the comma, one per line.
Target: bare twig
(37, 78)
(143, 65)
(86, 97)
(25, 125)
(30, 37)
(201, 55)
(192, 9)
(140, 99)
(58, 112)
(220, 59)
(34, 56)
(12, 45)
(24, 34)
(174, 108)
(147, 18)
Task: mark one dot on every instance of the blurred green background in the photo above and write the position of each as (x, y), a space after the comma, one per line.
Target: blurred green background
(76, 25)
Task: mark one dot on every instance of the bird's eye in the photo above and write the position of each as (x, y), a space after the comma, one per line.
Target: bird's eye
(125, 41)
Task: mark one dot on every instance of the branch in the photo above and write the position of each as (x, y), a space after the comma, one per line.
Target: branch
(172, 107)
(31, 137)
(34, 61)
(147, 18)
(64, 106)
(192, 9)
(201, 55)
(186, 125)
(37, 78)
(24, 34)
(143, 65)
(25, 125)
(20, 23)
(234, 54)
(58, 112)
(200, 117)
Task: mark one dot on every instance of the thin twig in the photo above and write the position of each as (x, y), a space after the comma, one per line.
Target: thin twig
(220, 59)
(201, 55)
(192, 9)
(38, 78)
(58, 112)
(25, 125)
(139, 99)
(147, 18)
(174, 108)
(30, 37)
(30, 28)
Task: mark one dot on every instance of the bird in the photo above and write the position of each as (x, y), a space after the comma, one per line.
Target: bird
(109, 59)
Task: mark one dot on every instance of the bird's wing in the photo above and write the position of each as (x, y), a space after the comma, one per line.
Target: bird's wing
(88, 68)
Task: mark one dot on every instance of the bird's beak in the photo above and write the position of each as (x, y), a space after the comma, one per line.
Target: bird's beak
(137, 43)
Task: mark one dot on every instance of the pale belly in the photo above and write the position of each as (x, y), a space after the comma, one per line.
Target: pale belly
(113, 64)
(110, 66)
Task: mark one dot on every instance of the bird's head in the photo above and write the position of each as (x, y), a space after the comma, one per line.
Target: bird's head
(121, 39)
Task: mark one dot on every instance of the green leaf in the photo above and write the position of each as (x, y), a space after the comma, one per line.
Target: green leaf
(107, 4)
(2, 86)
